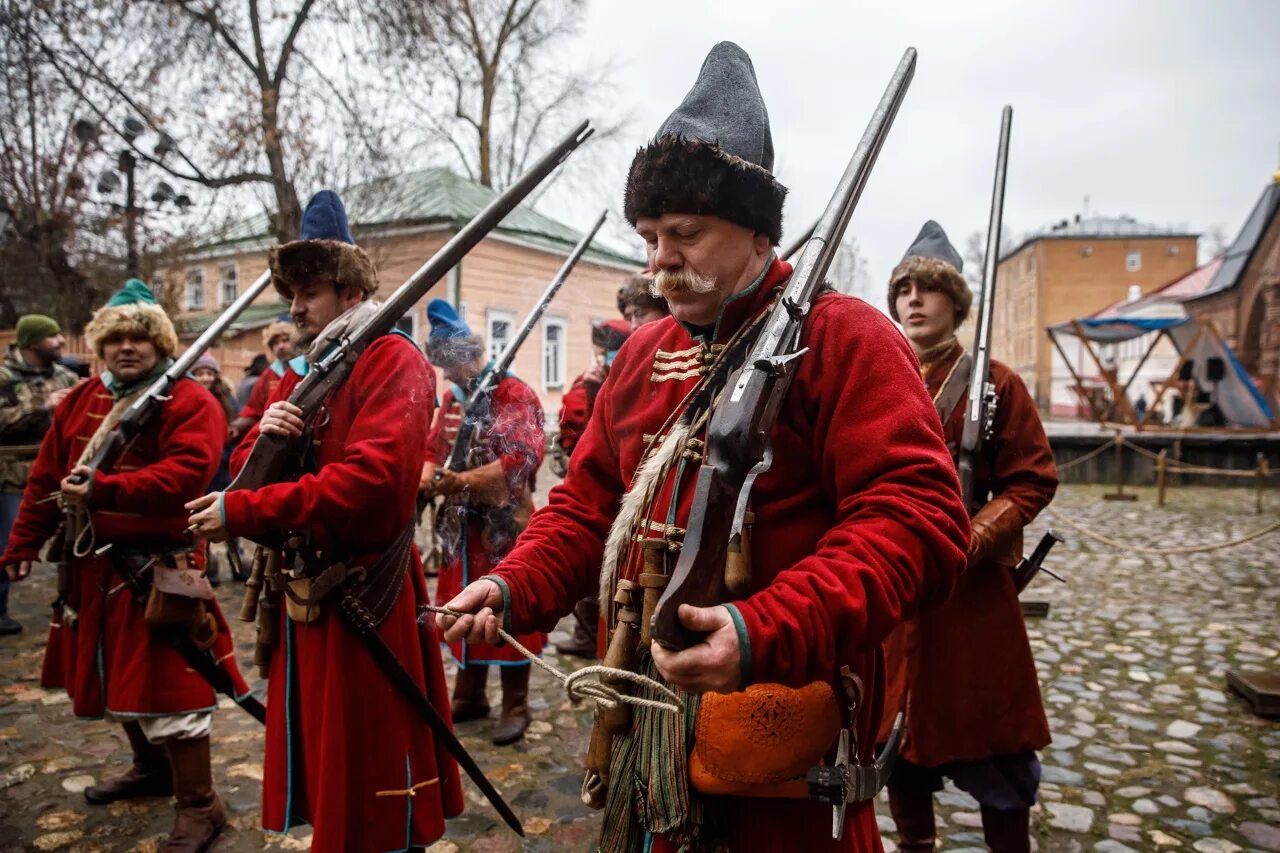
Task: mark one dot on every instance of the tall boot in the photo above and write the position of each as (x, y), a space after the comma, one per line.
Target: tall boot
(200, 816)
(469, 700)
(515, 705)
(586, 614)
(148, 777)
(912, 810)
(1007, 831)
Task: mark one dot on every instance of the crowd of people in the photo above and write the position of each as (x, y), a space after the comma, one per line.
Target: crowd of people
(870, 588)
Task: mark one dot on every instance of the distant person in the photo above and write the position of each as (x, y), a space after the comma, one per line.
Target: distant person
(245, 388)
(637, 302)
(32, 384)
(1140, 407)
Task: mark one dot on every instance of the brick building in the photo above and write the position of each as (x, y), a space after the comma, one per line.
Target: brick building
(1243, 299)
(401, 222)
(1073, 269)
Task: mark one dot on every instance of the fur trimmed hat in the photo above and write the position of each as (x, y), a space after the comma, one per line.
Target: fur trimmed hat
(714, 154)
(636, 292)
(278, 328)
(933, 261)
(324, 249)
(133, 310)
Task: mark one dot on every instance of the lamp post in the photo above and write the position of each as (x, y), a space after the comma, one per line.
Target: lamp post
(126, 164)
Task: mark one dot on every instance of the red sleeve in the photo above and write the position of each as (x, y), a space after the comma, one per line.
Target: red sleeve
(192, 432)
(519, 423)
(257, 402)
(38, 520)
(382, 455)
(573, 415)
(281, 392)
(437, 444)
(901, 530)
(1022, 466)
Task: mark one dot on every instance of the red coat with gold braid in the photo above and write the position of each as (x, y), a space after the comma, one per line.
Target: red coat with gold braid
(112, 660)
(338, 731)
(967, 665)
(475, 534)
(858, 523)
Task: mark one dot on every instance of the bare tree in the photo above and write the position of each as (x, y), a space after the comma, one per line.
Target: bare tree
(848, 273)
(975, 253)
(502, 95)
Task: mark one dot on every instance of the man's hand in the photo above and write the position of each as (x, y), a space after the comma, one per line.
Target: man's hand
(281, 418)
(713, 665)
(77, 494)
(55, 397)
(206, 517)
(479, 601)
(448, 483)
(18, 571)
(426, 482)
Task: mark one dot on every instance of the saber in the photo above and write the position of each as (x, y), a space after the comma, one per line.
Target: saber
(1030, 566)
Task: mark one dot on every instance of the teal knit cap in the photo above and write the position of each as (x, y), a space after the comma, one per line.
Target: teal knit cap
(135, 290)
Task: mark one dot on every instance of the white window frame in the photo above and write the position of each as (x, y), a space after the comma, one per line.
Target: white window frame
(195, 275)
(234, 268)
(558, 382)
(1133, 260)
(493, 316)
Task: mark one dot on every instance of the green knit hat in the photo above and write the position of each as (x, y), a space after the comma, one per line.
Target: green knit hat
(34, 328)
(135, 290)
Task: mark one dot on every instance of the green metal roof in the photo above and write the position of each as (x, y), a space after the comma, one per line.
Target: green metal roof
(254, 316)
(428, 197)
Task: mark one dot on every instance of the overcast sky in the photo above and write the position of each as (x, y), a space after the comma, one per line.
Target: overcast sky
(1168, 111)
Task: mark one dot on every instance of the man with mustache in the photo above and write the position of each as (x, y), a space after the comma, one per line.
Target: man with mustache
(104, 649)
(345, 751)
(974, 713)
(856, 525)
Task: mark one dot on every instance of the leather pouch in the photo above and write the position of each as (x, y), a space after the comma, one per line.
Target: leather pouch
(304, 610)
(760, 742)
(177, 600)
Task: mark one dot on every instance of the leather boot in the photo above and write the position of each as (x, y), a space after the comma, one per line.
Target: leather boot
(1007, 831)
(912, 810)
(515, 705)
(469, 700)
(148, 777)
(586, 614)
(200, 816)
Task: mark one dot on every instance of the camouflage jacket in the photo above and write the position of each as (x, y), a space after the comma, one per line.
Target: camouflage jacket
(24, 419)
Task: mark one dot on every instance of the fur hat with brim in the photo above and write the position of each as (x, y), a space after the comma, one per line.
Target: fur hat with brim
(933, 262)
(637, 292)
(133, 310)
(278, 328)
(713, 155)
(324, 249)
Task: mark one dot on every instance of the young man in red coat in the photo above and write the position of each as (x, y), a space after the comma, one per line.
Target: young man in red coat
(345, 750)
(638, 304)
(973, 700)
(485, 507)
(856, 525)
(279, 337)
(101, 648)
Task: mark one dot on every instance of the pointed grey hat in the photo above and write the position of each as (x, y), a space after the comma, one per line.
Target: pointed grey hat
(714, 154)
(933, 261)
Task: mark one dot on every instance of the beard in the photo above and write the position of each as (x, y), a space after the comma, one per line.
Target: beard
(666, 284)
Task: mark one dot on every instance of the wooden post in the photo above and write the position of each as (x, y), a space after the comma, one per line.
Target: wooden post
(1161, 464)
(1262, 479)
(1120, 494)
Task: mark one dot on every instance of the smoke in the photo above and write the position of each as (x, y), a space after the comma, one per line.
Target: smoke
(446, 352)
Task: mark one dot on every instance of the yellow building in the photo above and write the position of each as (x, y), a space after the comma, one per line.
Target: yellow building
(1073, 269)
(401, 222)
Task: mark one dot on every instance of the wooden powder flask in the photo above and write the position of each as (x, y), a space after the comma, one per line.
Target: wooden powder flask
(737, 560)
(268, 613)
(253, 586)
(611, 722)
(653, 578)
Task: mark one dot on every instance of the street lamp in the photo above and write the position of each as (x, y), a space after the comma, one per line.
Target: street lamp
(127, 164)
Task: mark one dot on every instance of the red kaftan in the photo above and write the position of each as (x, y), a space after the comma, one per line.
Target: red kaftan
(263, 392)
(112, 661)
(858, 523)
(974, 692)
(338, 731)
(575, 411)
(513, 434)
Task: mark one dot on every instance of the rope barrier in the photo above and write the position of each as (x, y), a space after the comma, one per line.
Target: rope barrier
(1161, 552)
(1175, 466)
(1082, 459)
(578, 684)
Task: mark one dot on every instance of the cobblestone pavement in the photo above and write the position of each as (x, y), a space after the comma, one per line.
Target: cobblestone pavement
(1149, 752)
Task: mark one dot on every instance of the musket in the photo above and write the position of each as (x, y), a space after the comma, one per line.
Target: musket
(144, 409)
(790, 251)
(487, 382)
(980, 411)
(273, 456)
(738, 448)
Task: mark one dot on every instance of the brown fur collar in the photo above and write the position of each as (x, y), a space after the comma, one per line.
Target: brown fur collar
(935, 273)
(306, 260)
(677, 175)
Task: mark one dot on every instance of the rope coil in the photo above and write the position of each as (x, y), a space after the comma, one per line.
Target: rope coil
(579, 685)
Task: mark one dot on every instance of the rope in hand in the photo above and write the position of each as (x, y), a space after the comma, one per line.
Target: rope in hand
(578, 684)
(1161, 552)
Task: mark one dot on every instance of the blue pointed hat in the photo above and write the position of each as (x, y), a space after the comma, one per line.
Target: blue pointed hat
(451, 340)
(324, 250)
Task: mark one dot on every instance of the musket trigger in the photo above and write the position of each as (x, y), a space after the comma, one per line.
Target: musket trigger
(775, 365)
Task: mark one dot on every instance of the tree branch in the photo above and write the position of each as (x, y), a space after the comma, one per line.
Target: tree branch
(286, 50)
